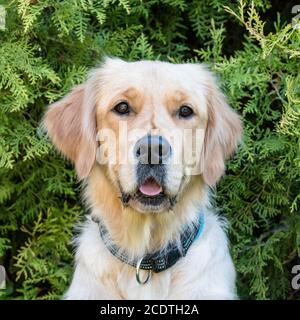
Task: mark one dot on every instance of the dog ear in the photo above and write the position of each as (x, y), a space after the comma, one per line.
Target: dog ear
(223, 133)
(71, 125)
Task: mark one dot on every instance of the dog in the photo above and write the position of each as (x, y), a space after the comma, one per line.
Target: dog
(151, 232)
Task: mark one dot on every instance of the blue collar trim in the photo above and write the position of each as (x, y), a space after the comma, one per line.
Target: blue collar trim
(201, 226)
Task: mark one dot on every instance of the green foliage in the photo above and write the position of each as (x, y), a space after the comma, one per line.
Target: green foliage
(48, 46)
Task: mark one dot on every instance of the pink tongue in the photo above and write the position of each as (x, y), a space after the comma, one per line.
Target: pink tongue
(150, 188)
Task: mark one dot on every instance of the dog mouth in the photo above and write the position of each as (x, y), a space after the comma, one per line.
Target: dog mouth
(149, 196)
(150, 188)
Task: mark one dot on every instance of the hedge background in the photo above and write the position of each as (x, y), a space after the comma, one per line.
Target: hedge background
(48, 46)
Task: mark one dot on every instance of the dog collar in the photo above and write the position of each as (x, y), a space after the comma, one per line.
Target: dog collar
(159, 260)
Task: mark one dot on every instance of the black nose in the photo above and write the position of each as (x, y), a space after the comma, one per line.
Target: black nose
(152, 150)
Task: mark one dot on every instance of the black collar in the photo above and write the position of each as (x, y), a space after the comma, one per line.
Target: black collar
(161, 259)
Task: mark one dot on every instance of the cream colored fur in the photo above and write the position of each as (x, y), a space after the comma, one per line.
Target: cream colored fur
(155, 89)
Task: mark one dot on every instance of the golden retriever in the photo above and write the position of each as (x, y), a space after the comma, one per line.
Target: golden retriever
(149, 140)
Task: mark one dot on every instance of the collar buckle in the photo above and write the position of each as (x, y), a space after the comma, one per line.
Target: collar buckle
(137, 274)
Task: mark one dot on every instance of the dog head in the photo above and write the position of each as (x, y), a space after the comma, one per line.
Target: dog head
(151, 127)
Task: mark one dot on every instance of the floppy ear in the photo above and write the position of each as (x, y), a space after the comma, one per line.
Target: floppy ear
(223, 133)
(71, 125)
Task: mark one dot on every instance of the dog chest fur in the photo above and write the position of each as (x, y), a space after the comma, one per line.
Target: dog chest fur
(207, 272)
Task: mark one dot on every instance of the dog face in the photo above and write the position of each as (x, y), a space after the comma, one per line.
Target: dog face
(152, 127)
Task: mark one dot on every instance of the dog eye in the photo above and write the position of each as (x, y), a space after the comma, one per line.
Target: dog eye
(122, 108)
(185, 112)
